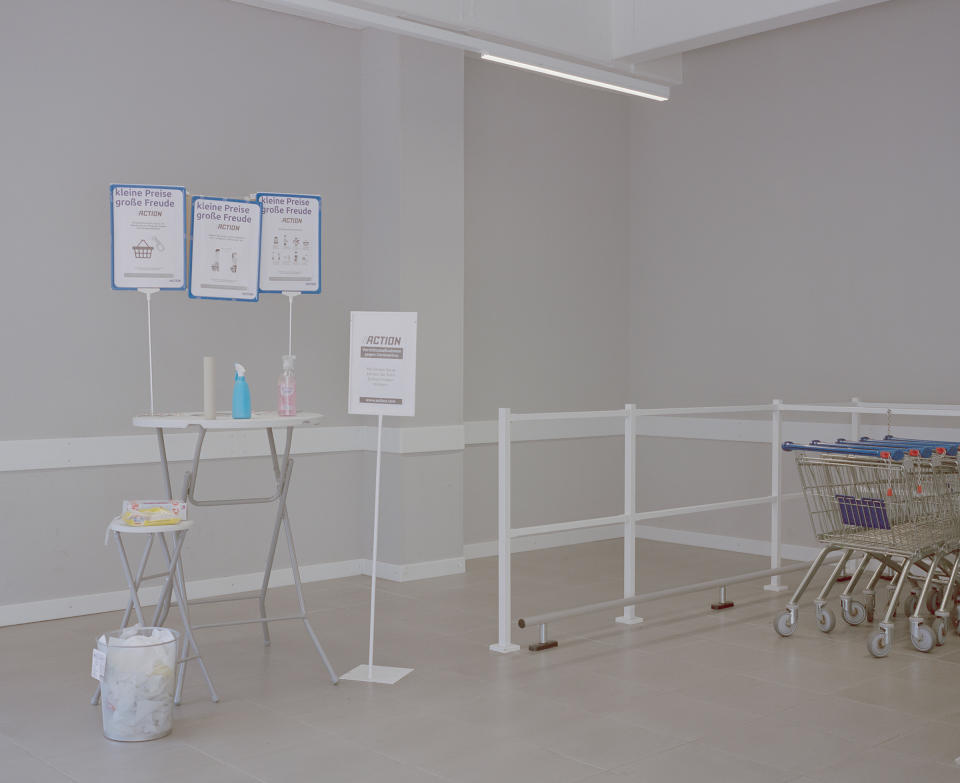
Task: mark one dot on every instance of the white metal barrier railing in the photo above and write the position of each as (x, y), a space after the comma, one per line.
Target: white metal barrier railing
(856, 409)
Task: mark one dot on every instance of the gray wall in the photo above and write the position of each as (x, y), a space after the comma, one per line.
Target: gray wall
(88, 103)
(107, 91)
(793, 214)
(545, 322)
(793, 223)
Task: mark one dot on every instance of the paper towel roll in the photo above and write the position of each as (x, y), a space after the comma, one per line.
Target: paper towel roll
(209, 390)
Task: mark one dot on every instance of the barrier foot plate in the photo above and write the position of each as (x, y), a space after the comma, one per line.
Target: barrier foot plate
(541, 646)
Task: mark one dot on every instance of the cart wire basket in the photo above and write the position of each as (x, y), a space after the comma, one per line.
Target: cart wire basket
(897, 502)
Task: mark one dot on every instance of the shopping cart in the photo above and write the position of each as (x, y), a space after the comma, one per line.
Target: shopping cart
(942, 602)
(899, 506)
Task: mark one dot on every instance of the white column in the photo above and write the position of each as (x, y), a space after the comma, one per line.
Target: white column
(412, 259)
(629, 616)
(775, 491)
(503, 645)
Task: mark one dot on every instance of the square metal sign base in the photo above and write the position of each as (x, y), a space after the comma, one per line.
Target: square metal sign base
(383, 675)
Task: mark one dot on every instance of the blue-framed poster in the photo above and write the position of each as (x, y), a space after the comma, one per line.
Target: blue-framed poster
(148, 238)
(224, 249)
(290, 243)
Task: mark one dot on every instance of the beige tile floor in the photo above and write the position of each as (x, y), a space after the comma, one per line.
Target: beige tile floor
(689, 695)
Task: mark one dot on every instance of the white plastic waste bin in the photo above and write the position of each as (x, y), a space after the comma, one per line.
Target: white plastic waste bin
(138, 682)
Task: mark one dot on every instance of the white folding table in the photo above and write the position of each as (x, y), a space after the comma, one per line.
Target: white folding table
(282, 469)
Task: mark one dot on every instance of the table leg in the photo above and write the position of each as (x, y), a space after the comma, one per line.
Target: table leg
(272, 549)
(191, 649)
(164, 465)
(124, 563)
(295, 566)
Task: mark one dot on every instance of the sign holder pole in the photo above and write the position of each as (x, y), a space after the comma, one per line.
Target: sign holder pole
(148, 292)
(383, 675)
(290, 296)
(376, 535)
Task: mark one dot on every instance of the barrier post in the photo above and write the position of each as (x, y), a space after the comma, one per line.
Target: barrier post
(775, 490)
(629, 616)
(503, 645)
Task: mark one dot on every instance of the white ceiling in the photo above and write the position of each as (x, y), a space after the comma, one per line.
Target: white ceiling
(638, 39)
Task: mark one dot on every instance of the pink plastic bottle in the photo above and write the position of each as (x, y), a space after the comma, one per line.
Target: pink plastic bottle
(287, 389)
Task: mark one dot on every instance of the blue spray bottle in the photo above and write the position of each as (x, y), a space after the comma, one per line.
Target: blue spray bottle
(241, 394)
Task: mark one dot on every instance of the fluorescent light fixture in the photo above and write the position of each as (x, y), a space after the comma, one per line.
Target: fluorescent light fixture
(571, 77)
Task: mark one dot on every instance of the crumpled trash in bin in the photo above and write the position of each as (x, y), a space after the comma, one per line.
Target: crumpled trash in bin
(138, 682)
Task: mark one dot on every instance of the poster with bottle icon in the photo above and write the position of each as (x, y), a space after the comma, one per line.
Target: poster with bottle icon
(148, 237)
(290, 243)
(225, 249)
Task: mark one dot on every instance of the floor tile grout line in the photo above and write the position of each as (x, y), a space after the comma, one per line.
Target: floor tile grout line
(224, 763)
(56, 769)
(35, 757)
(615, 767)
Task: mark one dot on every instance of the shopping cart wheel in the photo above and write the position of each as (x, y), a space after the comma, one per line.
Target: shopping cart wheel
(939, 631)
(854, 613)
(783, 624)
(922, 638)
(877, 645)
(826, 619)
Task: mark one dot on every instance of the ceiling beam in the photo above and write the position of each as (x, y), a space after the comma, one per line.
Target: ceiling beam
(644, 29)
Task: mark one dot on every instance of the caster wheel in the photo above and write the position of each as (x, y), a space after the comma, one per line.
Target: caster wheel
(877, 645)
(783, 624)
(939, 631)
(826, 619)
(922, 638)
(854, 613)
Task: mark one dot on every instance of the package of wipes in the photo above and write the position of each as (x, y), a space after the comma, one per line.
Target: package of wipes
(153, 512)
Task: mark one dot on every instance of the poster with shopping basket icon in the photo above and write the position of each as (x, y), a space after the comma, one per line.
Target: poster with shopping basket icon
(148, 237)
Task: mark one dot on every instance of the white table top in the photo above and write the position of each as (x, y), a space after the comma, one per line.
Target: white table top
(224, 421)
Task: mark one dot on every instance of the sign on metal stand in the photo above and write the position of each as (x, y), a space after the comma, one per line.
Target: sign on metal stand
(383, 374)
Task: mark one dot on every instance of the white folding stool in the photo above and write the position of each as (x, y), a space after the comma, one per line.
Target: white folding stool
(173, 583)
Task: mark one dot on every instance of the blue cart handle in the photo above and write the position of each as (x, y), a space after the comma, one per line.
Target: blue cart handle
(939, 446)
(951, 446)
(893, 454)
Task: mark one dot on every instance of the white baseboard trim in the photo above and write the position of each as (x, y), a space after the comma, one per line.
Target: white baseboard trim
(752, 546)
(546, 541)
(94, 603)
(412, 571)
